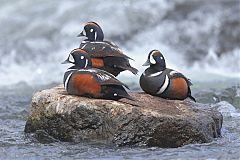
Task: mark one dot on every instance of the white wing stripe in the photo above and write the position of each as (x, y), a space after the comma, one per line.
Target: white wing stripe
(164, 86)
(88, 70)
(103, 77)
(151, 59)
(98, 42)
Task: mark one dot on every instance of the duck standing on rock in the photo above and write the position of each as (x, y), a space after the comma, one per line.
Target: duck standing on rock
(104, 54)
(83, 80)
(158, 80)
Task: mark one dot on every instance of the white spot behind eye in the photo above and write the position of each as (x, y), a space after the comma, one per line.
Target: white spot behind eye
(70, 58)
(82, 57)
(161, 57)
(115, 94)
(86, 63)
(91, 30)
(95, 35)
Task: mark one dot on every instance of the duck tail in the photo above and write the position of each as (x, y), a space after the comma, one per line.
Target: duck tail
(129, 68)
(192, 98)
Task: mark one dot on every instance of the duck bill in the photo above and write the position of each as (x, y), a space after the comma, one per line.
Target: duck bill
(65, 62)
(81, 34)
(147, 63)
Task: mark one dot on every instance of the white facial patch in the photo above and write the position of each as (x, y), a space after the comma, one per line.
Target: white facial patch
(115, 94)
(70, 58)
(91, 30)
(84, 32)
(152, 60)
(161, 57)
(82, 57)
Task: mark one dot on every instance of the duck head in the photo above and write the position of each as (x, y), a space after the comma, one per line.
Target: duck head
(92, 31)
(79, 58)
(156, 60)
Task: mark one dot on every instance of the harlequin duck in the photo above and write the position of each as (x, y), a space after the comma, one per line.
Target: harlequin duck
(104, 63)
(160, 81)
(107, 55)
(83, 80)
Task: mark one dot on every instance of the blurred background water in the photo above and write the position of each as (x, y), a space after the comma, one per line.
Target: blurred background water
(199, 38)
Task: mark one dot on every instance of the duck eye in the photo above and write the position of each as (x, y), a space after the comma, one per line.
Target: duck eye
(91, 30)
(82, 57)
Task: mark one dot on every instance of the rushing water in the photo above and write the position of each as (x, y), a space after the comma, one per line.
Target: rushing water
(199, 38)
(14, 144)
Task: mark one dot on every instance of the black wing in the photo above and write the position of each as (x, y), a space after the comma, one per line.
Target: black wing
(102, 49)
(174, 74)
(105, 78)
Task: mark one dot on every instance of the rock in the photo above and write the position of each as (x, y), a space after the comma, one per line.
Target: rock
(150, 121)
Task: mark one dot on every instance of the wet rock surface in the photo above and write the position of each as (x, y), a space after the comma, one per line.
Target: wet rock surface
(149, 121)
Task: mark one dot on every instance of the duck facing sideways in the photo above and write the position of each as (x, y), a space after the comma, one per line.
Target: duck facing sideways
(83, 80)
(108, 55)
(160, 81)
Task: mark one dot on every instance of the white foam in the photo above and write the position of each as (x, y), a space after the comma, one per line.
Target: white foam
(34, 54)
(227, 109)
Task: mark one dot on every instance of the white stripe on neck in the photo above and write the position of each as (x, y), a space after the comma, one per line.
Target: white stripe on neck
(164, 86)
(67, 80)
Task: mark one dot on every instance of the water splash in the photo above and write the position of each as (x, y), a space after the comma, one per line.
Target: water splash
(194, 36)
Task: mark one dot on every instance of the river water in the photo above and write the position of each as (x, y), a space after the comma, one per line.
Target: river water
(198, 38)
